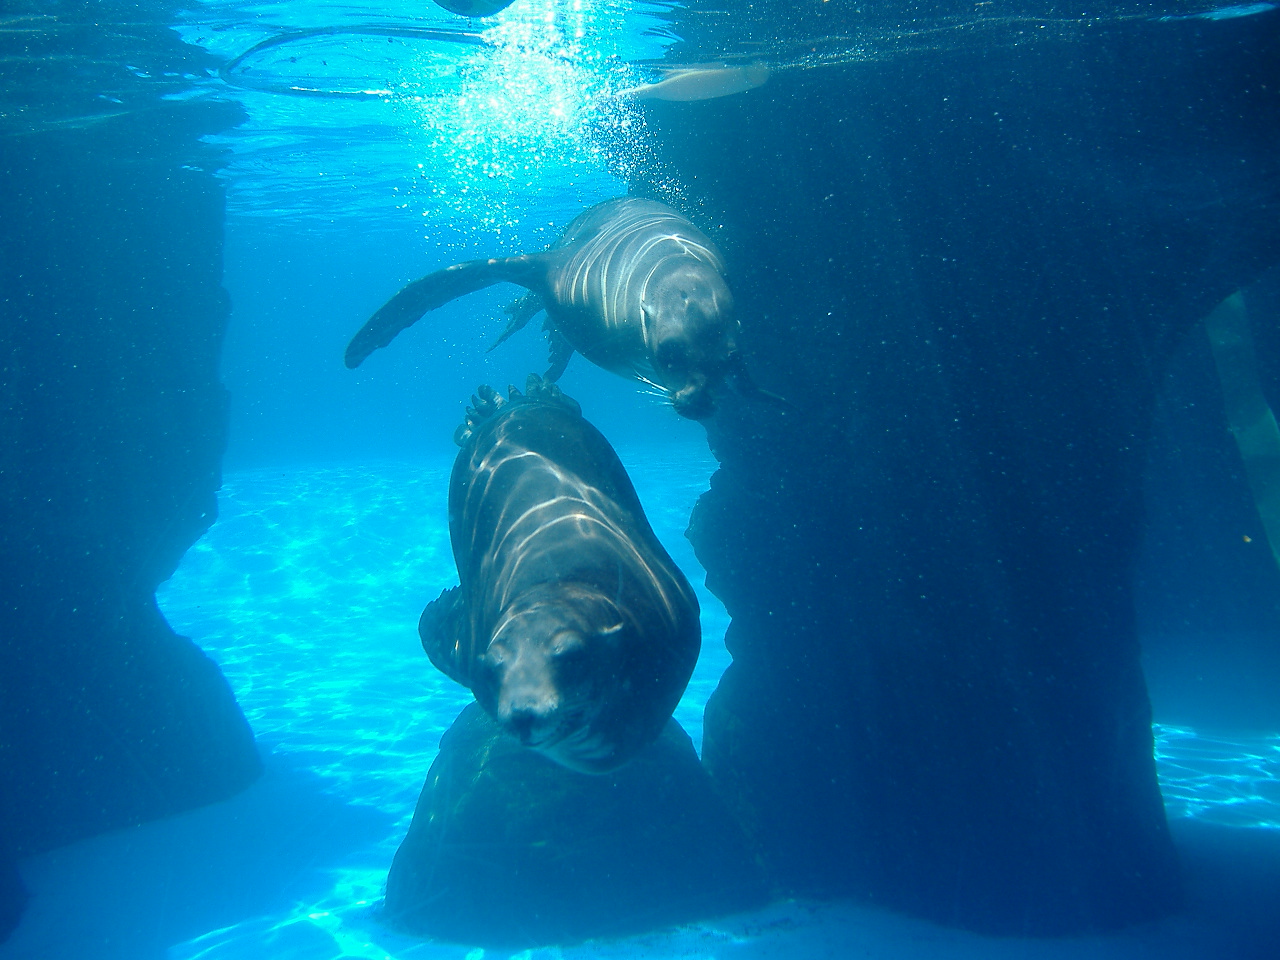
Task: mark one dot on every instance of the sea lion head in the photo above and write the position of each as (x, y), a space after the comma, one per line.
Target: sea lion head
(549, 672)
(691, 333)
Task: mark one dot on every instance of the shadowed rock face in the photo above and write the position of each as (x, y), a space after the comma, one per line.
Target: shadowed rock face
(112, 425)
(508, 848)
(969, 269)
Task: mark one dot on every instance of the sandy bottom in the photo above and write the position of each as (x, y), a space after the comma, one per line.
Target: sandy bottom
(307, 592)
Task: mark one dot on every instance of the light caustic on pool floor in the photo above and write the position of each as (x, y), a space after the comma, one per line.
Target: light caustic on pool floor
(308, 590)
(307, 593)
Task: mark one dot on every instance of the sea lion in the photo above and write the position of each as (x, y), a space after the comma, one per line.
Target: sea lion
(571, 624)
(474, 8)
(631, 285)
(703, 81)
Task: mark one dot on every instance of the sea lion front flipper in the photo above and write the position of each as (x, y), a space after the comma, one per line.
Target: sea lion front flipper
(519, 313)
(561, 351)
(441, 628)
(435, 290)
(740, 379)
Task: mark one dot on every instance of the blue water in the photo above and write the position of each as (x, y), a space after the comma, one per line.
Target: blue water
(307, 592)
(308, 589)
(331, 535)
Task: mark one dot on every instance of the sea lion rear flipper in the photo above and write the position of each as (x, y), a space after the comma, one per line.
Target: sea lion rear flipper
(441, 629)
(561, 351)
(435, 290)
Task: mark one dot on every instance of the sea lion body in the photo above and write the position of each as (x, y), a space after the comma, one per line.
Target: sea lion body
(571, 624)
(631, 285)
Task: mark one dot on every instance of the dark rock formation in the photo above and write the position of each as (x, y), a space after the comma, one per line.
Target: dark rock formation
(112, 424)
(969, 267)
(509, 848)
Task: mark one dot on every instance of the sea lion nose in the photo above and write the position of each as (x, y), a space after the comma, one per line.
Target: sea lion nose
(529, 719)
(694, 401)
(521, 725)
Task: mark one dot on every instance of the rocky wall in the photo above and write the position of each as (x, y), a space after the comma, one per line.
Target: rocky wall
(967, 268)
(112, 425)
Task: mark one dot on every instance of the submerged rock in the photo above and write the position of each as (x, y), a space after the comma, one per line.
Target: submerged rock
(114, 422)
(937, 698)
(509, 848)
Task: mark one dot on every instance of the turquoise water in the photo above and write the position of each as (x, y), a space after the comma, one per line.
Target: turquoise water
(485, 130)
(419, 151)
(308, 589)
(307, 593)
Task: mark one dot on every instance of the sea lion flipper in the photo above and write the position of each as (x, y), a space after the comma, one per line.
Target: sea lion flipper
(542, 390)
(435, 290)
(741, 381)
(560, 352)
(485, 403)
(519, 313)
(440, 628)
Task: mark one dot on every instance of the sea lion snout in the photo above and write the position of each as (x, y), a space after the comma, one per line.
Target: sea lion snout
(689, 314)
(548, 666)
(527, 703)
(532, 720)
(694, 401)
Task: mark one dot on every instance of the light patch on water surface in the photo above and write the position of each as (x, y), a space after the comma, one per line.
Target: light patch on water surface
(398, 112)
(307, 593)
(533, 111)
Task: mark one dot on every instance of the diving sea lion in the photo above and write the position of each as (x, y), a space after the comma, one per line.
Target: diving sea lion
(571, 624)
(631, 285)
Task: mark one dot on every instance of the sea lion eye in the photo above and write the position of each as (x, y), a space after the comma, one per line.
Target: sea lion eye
(567, 642)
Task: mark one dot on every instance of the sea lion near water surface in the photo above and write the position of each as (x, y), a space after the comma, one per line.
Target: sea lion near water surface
(631, 285)
(571, 624)
(700, 81)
